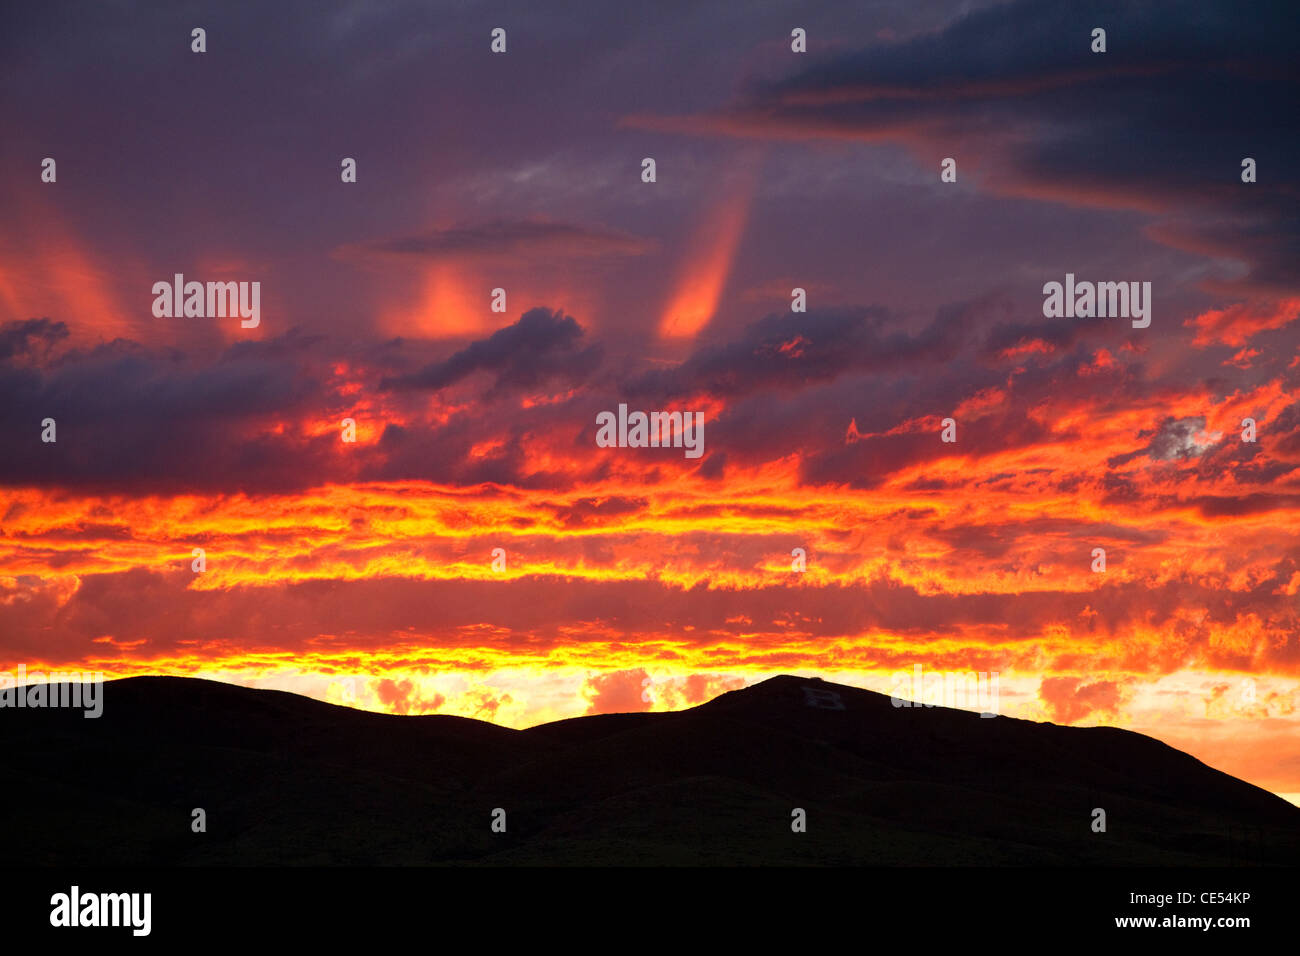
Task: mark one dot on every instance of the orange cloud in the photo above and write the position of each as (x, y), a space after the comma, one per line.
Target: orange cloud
(709, 258)
(1235, 324)
(1073, 698)
(619, 692)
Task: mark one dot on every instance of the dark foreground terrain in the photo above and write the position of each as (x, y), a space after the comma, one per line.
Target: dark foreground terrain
(288, 780)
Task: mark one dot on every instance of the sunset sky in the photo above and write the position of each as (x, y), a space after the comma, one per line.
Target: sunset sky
(363, 572)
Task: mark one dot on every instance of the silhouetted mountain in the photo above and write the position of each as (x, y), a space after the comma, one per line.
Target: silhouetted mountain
(286, 779)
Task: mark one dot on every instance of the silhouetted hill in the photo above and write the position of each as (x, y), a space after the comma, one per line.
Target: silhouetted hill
(286, 779)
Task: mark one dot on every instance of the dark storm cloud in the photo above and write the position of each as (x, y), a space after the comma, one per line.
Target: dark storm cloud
(1057, 333)
(799, 384)
(543, 345)
(792, 351)
(1159, 123)
(30, 337)
(128, 416)
(831, 387)
(133, 418)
